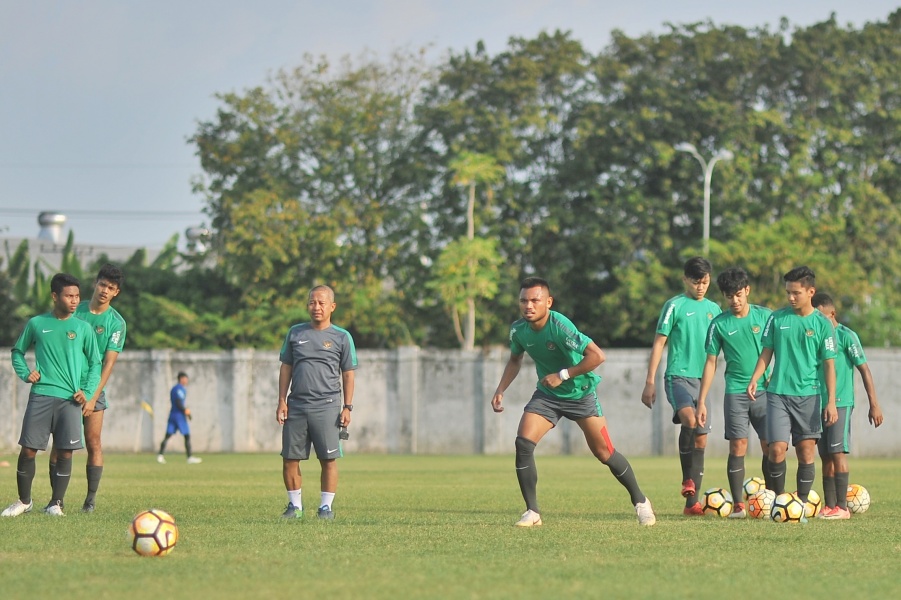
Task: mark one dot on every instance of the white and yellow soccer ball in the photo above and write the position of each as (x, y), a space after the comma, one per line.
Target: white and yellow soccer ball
(814, 504)
(752, 485)
(858, 498)
(787, 508)
(153, 533)
(760, 505)
(717, 501)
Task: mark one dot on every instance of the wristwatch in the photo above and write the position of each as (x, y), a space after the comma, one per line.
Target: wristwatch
(349, 407)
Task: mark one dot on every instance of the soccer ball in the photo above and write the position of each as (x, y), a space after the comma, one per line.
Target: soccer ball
(153, 533)
(787, 508)
(752, 485)
(760, 505)
(814, 504)
(717, 501)
(858, 498)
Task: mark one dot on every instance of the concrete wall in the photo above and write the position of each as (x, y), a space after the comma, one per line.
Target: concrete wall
(407, 401)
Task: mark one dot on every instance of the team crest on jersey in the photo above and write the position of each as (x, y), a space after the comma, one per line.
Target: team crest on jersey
(551, 346)
(326, 344)
(99, 330)
(709, 316)
(756, 329)
(809, 332)
(70, 335)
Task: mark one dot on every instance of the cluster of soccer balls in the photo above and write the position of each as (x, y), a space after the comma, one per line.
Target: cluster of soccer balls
(153, 533)
(784, 508)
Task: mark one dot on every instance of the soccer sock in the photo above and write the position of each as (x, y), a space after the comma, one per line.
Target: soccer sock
(52, 469)
(294, 499)
(829, 496)
(188, 445)
(697, 473)
(94, 475)
(63, 475)
(686, 446)
(841, 489)
(25, 477)
(163, 444)
(777, 477)
(806, 474)
(622, 470)
(526, 472)
(326, 499)
(735, 471)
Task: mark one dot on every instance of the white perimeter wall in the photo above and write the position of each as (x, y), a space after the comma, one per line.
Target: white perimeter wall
(407, 401)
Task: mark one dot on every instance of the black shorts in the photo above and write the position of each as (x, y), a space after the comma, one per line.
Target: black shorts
(553, 408)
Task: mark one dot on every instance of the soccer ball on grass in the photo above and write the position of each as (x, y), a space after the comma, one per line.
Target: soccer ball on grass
(752, 485)
(153, 533)
(787, 508)
(760, 505)
(814, 504)
(717, 501)
(858, 498)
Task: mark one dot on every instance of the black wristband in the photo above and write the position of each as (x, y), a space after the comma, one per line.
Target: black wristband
(349, 407)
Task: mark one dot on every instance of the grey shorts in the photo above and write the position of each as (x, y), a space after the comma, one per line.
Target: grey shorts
(739, 412)
(311, 425)
(836, 438)
(794, 416)
(45, 415)
(683, 392)
(552, 408)
(101, 402)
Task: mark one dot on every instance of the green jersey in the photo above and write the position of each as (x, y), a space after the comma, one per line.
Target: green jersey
(739, 338)
(849, 354)
(108, 326)
(66, 356)
(558, 345)
(800, 345)
(684, 322)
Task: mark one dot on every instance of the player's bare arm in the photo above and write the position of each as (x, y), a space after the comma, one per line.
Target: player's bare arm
(875, 413)
(766, 355)
(592, 357)
(706, 382)
(649, 394)
(284, 383)
(347, 385)
(511, 370)
(830, 413)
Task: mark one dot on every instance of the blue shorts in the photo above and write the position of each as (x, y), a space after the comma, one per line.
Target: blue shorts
(177, 422)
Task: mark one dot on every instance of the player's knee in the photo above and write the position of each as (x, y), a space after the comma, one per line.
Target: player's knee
(524, 447)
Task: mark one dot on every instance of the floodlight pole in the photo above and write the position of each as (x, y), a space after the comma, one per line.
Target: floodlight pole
(708, 176)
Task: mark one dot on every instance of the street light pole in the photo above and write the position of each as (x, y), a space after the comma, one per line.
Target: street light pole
(708, 175)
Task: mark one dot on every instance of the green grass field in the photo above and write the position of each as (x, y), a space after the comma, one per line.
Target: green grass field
(439, 527)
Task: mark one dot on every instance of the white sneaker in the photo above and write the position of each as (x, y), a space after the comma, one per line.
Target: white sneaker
(55, 510)
(194, 460)
(530, 518)
(645, 513)
(161, 459)
(17, 508)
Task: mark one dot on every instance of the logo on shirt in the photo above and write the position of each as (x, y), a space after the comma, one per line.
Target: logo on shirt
(70, 335)
(551, 346)
(689, 314)
(756, 329)
(115, 337)
(326, 344)
(830, 344)
(709, 316)
(99, 330)
(809, 333)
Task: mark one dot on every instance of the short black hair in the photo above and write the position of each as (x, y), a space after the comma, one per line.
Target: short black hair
(803, 275)
(181, 374)
(63, 280)
(111, 273)
(822, 299)
(530, 282)
(732, 279)
(697, 267)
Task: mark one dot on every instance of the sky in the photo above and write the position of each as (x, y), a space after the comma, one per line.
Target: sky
(99, 97)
